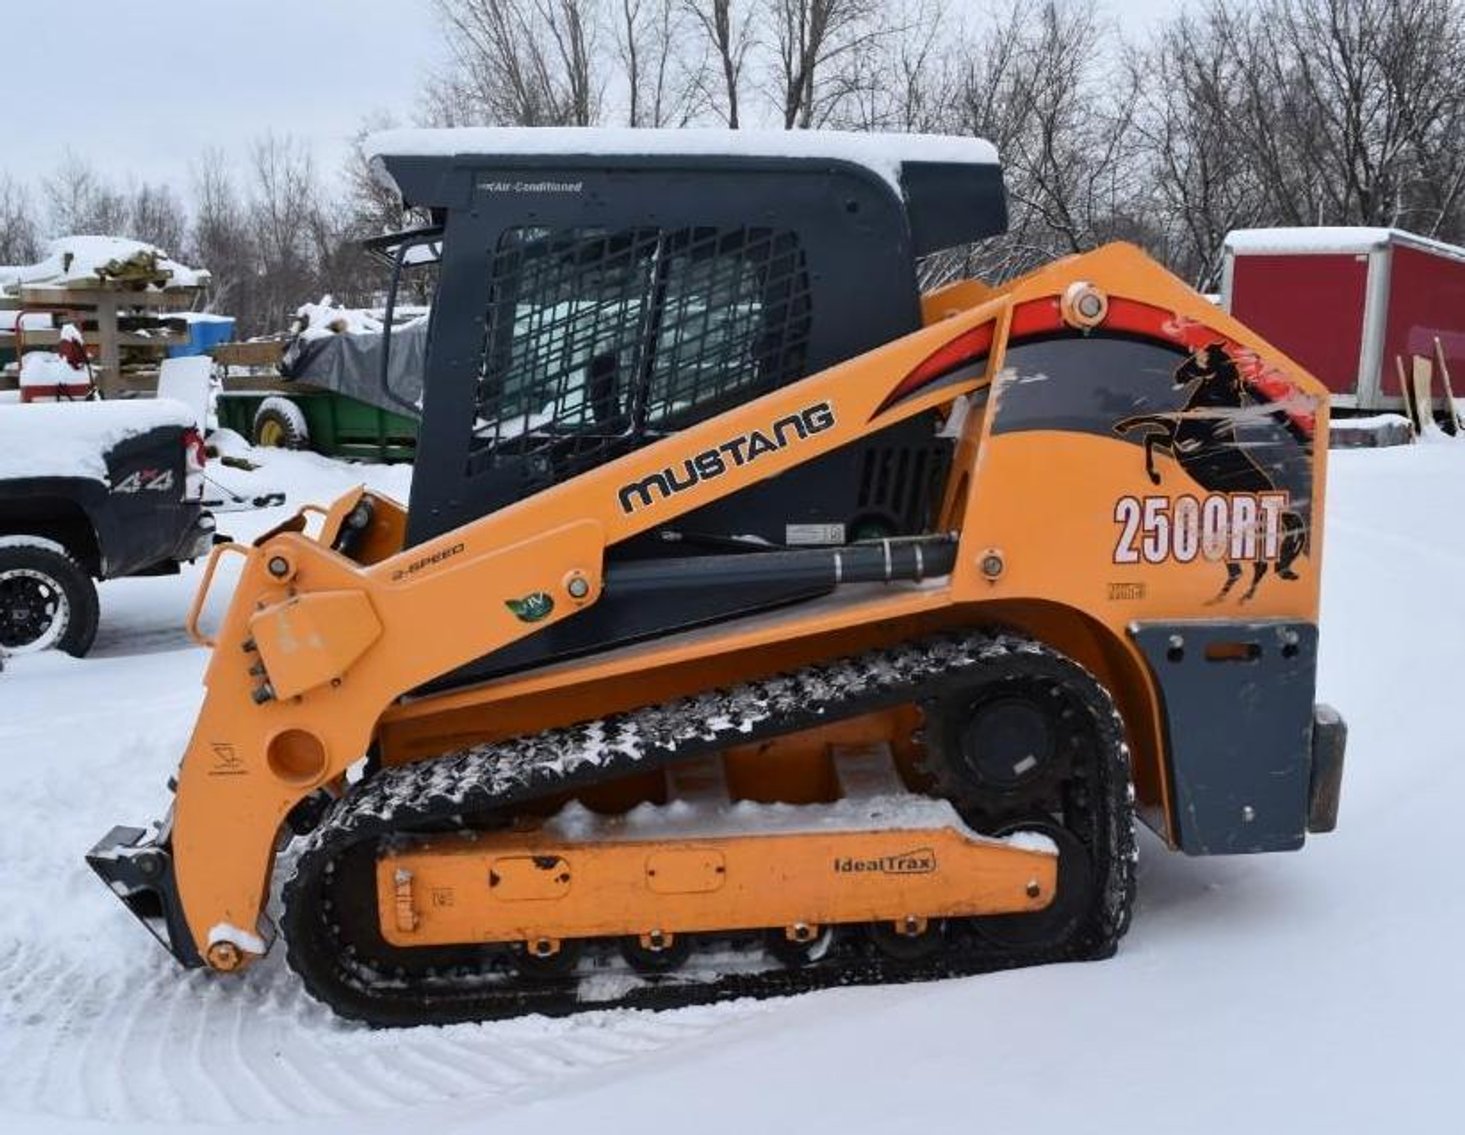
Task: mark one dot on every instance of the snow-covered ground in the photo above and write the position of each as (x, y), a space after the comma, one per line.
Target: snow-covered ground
(1321, 991)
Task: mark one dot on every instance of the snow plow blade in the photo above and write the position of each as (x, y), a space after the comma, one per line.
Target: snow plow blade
(138, 869)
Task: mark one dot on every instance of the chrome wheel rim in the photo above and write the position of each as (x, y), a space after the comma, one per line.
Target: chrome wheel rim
(34, 611)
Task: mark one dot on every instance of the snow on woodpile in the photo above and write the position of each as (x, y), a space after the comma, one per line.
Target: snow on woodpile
(76, 260)
(317, 320)
(71, 439)
(320, 320)
(883, 154)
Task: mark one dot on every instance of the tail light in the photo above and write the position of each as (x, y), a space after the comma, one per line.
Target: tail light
(195, 458)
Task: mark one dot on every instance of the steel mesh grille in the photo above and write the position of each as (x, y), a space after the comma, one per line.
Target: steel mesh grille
(597, 340)
(903, 483)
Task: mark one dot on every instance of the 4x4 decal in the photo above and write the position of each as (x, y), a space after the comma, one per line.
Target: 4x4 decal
(146, 481)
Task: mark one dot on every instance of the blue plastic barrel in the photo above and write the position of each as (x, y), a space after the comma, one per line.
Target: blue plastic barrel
(204, 333)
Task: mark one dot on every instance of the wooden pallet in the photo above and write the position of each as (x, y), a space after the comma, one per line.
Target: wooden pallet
(256, 353)
(112, 316)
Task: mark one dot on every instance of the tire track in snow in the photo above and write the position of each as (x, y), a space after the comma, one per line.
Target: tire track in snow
(88, 1033)
(96, 1023)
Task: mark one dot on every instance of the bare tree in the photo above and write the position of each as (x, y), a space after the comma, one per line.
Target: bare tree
(1039, 86)
(78, 200)
(374, 206)
(1302, 112)
(221, 241)
(20, 238)
(518, 63)
(1236, 113)
(1424, 61)
(284, 197)
(1199, 178)
(726, 27)
(812, 40)
(1323, 111)
(663, 80)
(1379, 81)
(907, 80)
(155, 214)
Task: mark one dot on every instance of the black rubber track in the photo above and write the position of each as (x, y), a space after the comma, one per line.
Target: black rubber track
(330, 906)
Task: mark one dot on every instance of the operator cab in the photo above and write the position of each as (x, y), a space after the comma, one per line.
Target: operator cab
(598, 290)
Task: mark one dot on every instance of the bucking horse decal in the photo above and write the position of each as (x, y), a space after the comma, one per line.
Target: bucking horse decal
(1202, 438)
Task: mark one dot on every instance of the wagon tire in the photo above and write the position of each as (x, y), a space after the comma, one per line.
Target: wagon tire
(280, 424)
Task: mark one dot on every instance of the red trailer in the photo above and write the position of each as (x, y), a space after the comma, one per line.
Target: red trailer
(1347, 303)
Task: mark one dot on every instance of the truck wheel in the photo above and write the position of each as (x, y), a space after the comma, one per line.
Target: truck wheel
(280, 424)
(47, 600)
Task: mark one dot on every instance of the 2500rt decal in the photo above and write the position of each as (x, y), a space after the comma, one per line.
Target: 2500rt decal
(1229, 527)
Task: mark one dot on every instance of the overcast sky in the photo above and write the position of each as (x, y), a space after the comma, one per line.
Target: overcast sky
(140, 88)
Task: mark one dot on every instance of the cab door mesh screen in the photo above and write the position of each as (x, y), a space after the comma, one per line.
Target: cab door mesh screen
(597, 341)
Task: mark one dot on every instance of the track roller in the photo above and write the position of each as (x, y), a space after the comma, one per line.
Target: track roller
(799, 945)
(656, 952)
(909, 940)
(547, 957)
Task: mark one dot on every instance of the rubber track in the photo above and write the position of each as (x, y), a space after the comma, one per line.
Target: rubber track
(485, 780)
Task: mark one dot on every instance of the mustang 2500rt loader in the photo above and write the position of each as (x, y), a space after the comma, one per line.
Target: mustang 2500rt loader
(758, 623)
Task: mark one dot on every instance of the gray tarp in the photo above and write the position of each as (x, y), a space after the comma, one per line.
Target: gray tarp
(351, 365)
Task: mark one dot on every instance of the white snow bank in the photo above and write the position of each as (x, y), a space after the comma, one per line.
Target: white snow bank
(71, 439)
(1318, 991)
(883, 154)
(1322, 239)
(1369, 422)
(76, 258)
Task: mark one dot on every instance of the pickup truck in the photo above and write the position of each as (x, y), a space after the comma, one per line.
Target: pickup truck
(92, 491)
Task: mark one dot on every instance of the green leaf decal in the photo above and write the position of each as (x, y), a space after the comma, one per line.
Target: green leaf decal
(532, 607)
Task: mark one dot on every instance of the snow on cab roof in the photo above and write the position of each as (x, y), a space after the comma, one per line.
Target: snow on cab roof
(883, 154)
(1330, 239)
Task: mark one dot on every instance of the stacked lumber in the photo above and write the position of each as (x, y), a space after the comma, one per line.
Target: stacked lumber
(104, 262)
(122, 295)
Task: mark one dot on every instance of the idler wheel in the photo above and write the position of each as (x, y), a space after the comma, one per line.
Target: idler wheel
(1055, 922)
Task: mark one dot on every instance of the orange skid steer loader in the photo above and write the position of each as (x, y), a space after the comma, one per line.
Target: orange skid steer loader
(758, 623)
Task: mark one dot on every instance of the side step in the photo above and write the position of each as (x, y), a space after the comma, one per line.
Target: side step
(704, 863)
